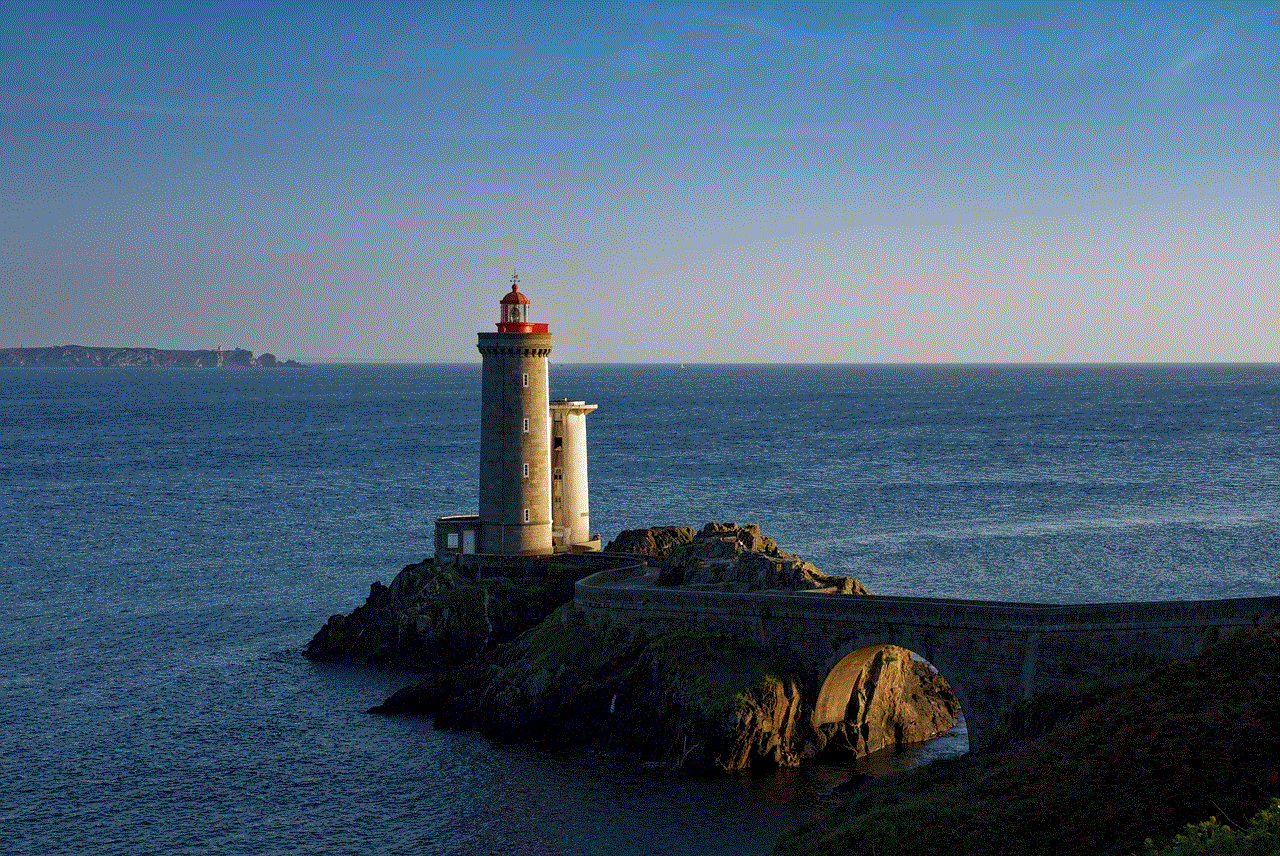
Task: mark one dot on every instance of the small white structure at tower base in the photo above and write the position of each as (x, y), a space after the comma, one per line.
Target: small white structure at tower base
(570, 516)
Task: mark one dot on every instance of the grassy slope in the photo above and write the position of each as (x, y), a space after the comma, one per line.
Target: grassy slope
(671, 698)
(1201, 737)
(713, 669)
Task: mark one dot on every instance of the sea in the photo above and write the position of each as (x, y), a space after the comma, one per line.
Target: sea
(172, 538)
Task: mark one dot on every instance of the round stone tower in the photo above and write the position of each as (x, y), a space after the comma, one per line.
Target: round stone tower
(515, 433)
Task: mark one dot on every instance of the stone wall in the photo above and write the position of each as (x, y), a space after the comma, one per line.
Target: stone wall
(992, 653)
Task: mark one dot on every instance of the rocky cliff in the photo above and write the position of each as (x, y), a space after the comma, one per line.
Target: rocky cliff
(654, 542)
(696, 700)
(726, 557)
(433, 616)
(79, 355)
(500, 658)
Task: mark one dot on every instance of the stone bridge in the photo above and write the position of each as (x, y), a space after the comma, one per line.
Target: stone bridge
(992, 653)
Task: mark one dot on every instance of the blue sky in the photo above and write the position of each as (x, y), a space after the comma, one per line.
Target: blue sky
(674, 182)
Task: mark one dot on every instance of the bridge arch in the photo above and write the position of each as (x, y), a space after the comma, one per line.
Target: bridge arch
(841, 675)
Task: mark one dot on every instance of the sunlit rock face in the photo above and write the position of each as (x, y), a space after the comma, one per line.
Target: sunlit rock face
(894, 702)
(727, 557)
(890, 701)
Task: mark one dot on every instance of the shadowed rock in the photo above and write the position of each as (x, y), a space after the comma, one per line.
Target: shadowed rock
(694, 699)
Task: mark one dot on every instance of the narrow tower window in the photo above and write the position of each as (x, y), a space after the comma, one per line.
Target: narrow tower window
(526, 515)
(524, 379)
(526, 426)
(526, 470)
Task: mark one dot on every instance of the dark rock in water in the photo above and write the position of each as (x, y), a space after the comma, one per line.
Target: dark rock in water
(692, 700)
(727, 557)
(853, 783)
(434, 617)
(418, 699)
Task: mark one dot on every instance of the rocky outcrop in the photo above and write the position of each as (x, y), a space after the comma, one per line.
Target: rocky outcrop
(654, 542)
(895, 701)
(650, 543)
(694, 699)
(79, 356)
(428, 617)
(434, 617)
(726, 557)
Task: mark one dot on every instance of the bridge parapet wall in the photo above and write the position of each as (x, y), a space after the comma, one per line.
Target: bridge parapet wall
(596, 593)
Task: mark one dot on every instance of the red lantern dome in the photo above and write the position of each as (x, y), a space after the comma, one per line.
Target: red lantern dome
(515, 312)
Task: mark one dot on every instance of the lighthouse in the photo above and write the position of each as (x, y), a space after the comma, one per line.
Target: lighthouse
(515, 433)
(533, 452)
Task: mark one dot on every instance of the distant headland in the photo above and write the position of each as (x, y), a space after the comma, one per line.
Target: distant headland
(79, 355)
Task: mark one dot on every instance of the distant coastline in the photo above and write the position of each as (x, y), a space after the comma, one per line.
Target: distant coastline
(79, 355)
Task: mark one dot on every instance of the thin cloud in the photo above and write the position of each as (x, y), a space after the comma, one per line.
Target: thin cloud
(766, 29)
(13, 101)
(849, 47)
(1170, 80)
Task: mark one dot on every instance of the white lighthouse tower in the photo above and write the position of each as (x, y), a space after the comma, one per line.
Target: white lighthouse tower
(533, 452)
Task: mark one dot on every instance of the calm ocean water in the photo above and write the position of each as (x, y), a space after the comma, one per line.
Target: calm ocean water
(172, 538)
